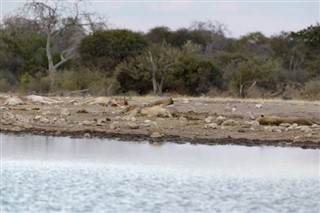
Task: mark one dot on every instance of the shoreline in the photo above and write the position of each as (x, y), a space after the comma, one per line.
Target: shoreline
(169, 139)
(202, 120)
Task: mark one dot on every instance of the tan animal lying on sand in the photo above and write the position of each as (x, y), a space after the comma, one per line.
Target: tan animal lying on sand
(159, 111)
(105, 101)
(275, 120)
(161, 102)
(41, 100)
(13, 101)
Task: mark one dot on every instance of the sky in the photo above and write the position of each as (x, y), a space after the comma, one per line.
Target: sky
(239, 16)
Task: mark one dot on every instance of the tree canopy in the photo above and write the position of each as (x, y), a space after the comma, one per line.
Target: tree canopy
(46, 44)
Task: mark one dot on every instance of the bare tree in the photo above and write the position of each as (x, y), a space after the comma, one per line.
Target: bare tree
(54, 18)
(217, 33)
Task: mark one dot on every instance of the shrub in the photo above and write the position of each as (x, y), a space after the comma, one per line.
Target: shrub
(36, 83)
(312, 89)
(8, 81)
(96, 81)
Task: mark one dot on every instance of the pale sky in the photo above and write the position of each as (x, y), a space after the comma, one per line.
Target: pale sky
(241, 17)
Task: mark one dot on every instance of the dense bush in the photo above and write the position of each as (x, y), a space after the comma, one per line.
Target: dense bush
(103, 50)
(312, 90)
(193, 60)
(70, 80)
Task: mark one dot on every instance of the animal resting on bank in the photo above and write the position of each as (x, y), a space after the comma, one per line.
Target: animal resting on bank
(275, 120)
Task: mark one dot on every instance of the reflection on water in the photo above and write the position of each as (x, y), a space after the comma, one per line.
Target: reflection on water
(90, 175)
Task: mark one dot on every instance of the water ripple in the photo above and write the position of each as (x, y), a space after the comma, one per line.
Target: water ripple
(34, 186)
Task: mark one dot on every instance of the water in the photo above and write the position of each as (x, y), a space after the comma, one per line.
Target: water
(48, 174)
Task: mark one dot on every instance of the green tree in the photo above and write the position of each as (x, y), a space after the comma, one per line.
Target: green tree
(21, 47)
(104, 50)
(154, 65)
(311, 38)
(310, 35)
(243, 74)
(252, 44)
(194, 76)
(157, 35)
(290, 50)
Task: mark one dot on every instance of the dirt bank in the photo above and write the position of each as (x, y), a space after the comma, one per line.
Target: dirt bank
(200, 121)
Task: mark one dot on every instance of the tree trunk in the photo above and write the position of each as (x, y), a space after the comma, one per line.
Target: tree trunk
(241, 94)
(242, 85)
(154, 77)
(160, 86)
(51, 68)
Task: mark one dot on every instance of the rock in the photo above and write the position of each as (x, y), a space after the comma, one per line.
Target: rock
(37, 117)
(292, 127)
(133, 125)
(211, 126)
(74, 102)
(115, 125)
(251, 116)
(156, 135)
(60, 121)
(249, 124)
(230, 123)
(314, 126)
(3, 108)
(285, 124)
(183, 120)
(305, 129)
(258, 106)
(17, 129)
(273, 129)
(185, 100)
(44, 120)
(208, 119)
(147, 121)
(308, 135)
(230, 109)
(8, 115)
(117, 118)
(65, 112)
(87, 135)
(254, 123)
(46, 112)
(88, 123)
(220, 119)
(100, 121)
(129, 118)
(296, 138)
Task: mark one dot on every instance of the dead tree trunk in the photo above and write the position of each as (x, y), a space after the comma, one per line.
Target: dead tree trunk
(242, 85)
(154, 74)
(51, 68)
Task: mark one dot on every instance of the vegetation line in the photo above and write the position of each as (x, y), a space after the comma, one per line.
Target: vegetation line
(46, 49)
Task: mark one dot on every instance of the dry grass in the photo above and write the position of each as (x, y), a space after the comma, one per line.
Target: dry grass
(149, 98)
